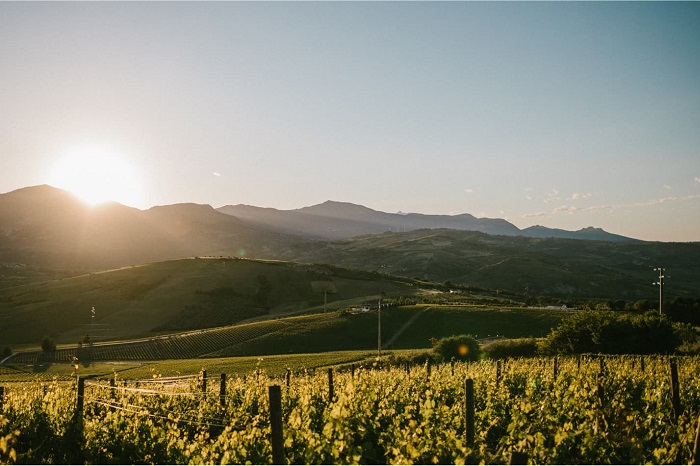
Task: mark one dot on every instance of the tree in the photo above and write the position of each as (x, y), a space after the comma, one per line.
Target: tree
(48, 345)
(614, 333)
(459, 347)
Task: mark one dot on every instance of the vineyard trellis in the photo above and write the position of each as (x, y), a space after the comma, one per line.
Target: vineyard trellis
(563, 410)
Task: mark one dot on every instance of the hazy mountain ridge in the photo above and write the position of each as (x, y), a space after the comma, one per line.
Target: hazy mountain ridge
(338, 220)
(46, 228)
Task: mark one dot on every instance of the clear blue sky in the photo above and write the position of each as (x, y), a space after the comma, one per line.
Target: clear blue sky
(560, 114)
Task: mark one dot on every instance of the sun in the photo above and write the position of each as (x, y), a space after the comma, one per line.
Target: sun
(97, 176)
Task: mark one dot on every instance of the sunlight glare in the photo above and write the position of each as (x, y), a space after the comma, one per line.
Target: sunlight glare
(97, 176)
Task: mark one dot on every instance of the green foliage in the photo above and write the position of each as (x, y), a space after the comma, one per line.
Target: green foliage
(458, 347)
(376, 416)
(614, 333)
(515, 348)
(48, 345)
(684, 309)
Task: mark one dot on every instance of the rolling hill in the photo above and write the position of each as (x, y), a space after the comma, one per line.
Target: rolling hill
(179, 295)
(46, 233)
(533, 266)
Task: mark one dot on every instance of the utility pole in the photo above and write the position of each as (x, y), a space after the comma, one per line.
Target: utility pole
(660, 284)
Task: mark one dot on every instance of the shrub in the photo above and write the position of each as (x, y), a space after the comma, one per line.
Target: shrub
(516, 348)
(48, 345)
(614, 333)
(459, 347)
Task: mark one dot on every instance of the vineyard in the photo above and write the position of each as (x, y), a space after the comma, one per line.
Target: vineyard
(587, 410)
(178, 346)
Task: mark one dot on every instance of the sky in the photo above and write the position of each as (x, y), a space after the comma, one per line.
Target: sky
(566, 115)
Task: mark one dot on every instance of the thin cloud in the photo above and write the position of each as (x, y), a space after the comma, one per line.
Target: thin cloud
(697, 179)
(217, 174)
(469, 190)
(535, 214)
(666, 186)
(565, 208)
(577, 196)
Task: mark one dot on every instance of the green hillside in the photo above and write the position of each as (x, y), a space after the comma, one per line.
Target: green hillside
(403, 327)
(176, 296)
(532, 266)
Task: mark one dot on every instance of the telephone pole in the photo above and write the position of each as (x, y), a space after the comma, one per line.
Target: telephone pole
(660, 284)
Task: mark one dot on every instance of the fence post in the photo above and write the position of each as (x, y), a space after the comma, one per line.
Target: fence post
(556, 368)
(498, 373)
(518, 457)
(204, 380)
(696, 448)
(675, 389)
(222, 390)
(2, 398)
(81, 395)
(601, 391)
(275, 394)
(469, 402)
(289, 377)
(330, 385)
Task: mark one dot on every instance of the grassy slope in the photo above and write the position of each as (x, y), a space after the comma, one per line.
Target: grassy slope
(174, 296)
(558, 267)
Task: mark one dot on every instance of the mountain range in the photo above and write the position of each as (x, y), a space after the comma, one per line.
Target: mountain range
(47, 233)
(333, 220)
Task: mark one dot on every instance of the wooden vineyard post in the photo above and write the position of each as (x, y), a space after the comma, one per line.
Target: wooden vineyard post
(641, 364)
(518, 457)
(600, 389)
(556, 368)
(578, 363)
(696, 447)
(289, 377)
(204, 381)
(81, 396)
(469, 414)
(452, 367)
(2, 398)
(675, 389)
(222, 390)
(498, 373)
(408, 368)
(275, 394)
(330, 385)
(427, 366)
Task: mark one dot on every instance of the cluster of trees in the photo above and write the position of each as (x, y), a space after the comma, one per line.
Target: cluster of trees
(615, 333)
(604, 332)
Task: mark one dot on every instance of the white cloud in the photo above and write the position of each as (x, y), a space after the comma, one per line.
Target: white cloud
(697, 179)
(565, 208)
(469, 190)
(577, 196)
(535, 214)
(217, 174)
(666, 186)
